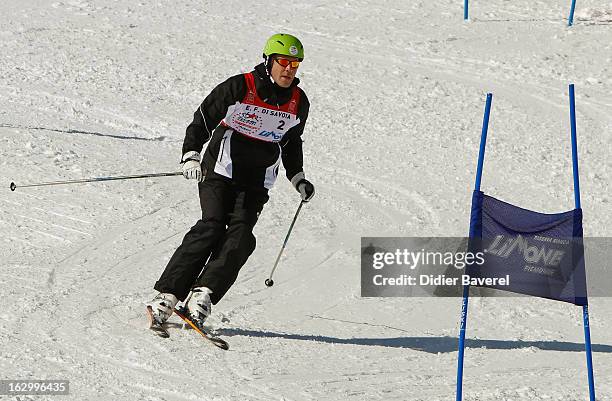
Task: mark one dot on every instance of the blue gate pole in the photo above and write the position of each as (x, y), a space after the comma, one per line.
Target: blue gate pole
(464, 311)
(483, 141)
(587, 342)
(585, 308)
(466, 14)
(574, 146)
(570, 20)
(466, 288)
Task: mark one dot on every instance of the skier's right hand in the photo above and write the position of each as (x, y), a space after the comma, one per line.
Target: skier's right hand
(192, 169)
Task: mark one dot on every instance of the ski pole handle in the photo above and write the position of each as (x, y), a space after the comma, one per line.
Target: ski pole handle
(97, 179)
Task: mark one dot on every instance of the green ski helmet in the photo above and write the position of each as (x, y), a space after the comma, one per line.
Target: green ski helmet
(284, 44)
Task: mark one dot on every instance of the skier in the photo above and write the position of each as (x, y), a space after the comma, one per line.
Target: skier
(251, 122)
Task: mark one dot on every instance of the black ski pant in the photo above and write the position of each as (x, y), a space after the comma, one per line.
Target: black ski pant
(223, 237)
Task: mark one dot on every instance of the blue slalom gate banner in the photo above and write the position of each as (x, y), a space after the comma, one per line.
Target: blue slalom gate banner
(538, 254)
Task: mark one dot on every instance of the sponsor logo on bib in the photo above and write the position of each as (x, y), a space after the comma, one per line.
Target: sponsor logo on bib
(271, 134)
(248, 121)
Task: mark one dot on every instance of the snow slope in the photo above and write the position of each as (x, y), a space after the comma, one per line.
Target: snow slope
(106, 87)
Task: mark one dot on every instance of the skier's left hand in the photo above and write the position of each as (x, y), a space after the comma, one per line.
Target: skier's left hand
(306, 189)
(303, 186)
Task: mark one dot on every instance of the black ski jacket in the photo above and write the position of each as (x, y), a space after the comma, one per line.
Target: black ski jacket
(250, 158)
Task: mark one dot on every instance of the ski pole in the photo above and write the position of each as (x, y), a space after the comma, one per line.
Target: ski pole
(269, 282)
(97, 179)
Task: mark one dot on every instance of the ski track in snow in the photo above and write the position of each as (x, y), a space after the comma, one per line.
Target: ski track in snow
(397, 92)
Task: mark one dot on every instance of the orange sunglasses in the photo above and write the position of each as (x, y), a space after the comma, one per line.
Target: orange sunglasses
(284, 62)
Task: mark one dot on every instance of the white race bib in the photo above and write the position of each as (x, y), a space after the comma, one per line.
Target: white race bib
(263, 123)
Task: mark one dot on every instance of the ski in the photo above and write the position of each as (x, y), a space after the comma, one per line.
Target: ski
(183, 314)
(155, 326)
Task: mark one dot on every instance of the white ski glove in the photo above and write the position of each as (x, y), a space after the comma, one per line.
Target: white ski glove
(303, 186)
(192, 169)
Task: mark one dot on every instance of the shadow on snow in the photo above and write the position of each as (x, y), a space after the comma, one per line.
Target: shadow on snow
(425, 344)
(72, 131)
